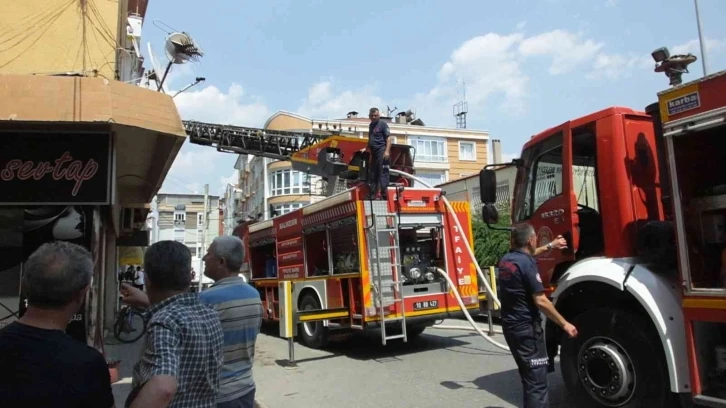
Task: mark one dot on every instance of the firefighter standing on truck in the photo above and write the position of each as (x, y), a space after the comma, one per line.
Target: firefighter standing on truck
(379, 146)
(522, 298)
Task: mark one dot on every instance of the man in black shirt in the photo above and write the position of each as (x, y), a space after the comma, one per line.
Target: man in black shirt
(522, 295)
(42, 365)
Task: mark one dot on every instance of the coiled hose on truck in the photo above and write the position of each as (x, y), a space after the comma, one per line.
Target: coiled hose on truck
(490, 291)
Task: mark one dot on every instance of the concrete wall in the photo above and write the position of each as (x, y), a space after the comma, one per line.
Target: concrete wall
(47, 36)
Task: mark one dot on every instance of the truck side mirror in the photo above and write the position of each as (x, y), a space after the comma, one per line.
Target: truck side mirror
(488, 186)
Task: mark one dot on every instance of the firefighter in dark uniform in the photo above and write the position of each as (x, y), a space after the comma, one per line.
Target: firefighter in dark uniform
(379, 146)
(522, 297)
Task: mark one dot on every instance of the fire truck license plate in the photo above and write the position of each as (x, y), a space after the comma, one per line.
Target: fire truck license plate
(429, 304)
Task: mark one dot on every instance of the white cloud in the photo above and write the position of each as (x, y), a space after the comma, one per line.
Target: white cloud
(489, 65)
(493, 66)
(611, 3)
(694, 47)
(212, 105)
(521, 25)
(567, 50)
(325, 102)
(195, 165)
(614, 66)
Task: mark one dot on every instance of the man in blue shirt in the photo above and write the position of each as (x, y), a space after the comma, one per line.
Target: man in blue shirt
(379, 146)
(522, 296)
(240, 312)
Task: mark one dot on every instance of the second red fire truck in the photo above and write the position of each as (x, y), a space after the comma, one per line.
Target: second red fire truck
(641, 199)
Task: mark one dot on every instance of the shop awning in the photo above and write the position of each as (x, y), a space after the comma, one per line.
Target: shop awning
(147, 125)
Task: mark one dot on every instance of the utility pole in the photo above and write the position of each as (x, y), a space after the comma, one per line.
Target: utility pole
(204, 236)
(700, 40)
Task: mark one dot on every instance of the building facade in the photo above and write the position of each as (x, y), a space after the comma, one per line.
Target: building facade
(271, 187)
(180, 217)
(69, 99)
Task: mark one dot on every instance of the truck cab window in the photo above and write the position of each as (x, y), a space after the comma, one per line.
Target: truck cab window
(543, 169)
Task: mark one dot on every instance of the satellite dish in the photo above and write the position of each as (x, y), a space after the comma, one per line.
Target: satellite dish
(154, 74)
(180, 48)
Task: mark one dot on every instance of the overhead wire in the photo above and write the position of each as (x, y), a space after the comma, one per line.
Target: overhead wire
(44, 24)
(47, 27)
(29, 20)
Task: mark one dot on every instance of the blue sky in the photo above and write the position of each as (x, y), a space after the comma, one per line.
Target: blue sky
(527, 64)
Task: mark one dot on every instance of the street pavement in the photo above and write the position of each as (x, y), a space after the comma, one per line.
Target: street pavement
(440, 368)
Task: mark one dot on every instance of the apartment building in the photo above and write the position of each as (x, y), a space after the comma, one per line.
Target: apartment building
(441, 154)
(179, 217)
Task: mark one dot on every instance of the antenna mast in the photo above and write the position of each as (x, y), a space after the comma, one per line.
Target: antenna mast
(461, 109)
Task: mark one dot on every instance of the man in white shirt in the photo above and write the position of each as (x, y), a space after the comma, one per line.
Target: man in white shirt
(139, 281)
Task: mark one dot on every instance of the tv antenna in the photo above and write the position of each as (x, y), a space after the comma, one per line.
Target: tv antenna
(461, 109)
(390, 111)
(180, 48)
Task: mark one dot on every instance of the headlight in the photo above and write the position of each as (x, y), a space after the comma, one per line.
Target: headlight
(429, 276)
(415, 273)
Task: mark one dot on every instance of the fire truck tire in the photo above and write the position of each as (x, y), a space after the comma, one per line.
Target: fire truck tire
(615, 361)
(415, 330)
(312, 334)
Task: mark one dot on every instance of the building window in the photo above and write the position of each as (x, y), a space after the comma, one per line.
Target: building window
(429, 149)
(180, 217)
(200, 220)
(287, 181)
(431, 178)
(287, 207)
(467, 151)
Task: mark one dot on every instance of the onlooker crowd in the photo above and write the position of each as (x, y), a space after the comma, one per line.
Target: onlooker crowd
(199, 347)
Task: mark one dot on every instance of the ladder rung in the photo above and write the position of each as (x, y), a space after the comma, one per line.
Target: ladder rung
(387, 230)
(388, 247)
(397, 336)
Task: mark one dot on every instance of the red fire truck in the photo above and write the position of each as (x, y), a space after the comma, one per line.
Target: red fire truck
(369, 263)
(641, 199)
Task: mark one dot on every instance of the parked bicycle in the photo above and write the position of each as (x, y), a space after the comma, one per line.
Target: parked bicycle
(130, 324)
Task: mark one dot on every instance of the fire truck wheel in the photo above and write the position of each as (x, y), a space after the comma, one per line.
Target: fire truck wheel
(415, 330)
(312, 334)
(615, 361)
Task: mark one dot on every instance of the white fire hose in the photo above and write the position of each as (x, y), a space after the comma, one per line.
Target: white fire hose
(490, 291)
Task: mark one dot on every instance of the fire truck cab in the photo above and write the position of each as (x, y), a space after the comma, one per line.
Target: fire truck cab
(641, 199)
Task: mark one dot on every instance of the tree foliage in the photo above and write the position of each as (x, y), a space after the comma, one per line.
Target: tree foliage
(489, 244)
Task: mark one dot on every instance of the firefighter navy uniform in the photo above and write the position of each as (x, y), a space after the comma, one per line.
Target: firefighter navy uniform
(378, 175)
(518, 281)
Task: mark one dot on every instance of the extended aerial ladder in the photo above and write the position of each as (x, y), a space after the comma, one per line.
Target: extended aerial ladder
(331, 156)
(272, 144)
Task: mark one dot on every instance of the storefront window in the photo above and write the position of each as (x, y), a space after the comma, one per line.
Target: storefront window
(22, 231)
